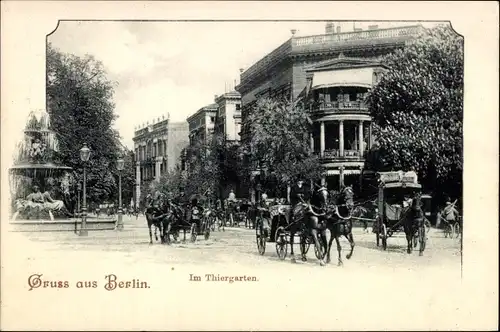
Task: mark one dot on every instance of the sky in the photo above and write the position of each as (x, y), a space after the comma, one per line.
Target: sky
(175, 67)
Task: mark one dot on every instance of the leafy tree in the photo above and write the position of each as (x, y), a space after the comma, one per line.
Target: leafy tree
(417, 108)
(170, 183)
(80, 104)
(204, 170)
(279, 141)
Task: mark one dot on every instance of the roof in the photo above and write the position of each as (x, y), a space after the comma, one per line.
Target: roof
(208, 108)
(229, 95)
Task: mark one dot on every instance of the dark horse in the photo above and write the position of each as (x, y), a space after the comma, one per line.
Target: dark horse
(414, 226)
(157, 215)
(309, 222)
(339, 221)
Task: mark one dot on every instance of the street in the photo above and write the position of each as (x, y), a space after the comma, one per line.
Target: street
(223, 275)
(238, 245)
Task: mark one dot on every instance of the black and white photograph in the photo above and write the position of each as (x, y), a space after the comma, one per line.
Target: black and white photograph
(230, 173)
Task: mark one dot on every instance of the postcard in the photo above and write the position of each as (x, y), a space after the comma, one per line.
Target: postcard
(249, 165)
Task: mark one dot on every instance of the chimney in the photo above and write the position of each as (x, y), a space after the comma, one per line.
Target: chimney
(241, 70)
(293, 31)
(329, 28)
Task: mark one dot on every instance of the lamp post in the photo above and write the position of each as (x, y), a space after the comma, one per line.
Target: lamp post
(79, 189)
(119, 166)
(84, 156)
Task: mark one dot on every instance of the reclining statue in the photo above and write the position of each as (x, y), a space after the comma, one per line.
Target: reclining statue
(37, 203)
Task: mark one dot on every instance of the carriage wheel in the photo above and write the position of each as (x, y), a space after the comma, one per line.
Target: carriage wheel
(319, 255)
(281, 243)
(384, 236)
(193, 232)
(448, 231)
(304, 245)
(261, 239)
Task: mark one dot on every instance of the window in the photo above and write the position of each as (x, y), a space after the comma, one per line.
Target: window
(238, 107)
(212, 119)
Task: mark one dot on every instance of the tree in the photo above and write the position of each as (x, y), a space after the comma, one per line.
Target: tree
(417, 108)
(203, 168)
(80, 104)
(279, 141)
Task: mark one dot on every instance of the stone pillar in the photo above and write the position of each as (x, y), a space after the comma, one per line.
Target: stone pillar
(137, 184)
(311, 140)
(323, 181)
(370, 139)
(341, 138)
(158, 162)
(360, 138)
(341, 176)
(322, 139)
(288, 191)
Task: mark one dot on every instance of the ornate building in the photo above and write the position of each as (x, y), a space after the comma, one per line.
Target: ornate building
(335, 95)
(158, 147)
(285, 72)
(201, 124)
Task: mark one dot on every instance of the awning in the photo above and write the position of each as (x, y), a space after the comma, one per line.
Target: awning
(338, 84)
(362, 77)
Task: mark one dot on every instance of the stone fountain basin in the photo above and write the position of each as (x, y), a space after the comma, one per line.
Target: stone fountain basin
(61, 225)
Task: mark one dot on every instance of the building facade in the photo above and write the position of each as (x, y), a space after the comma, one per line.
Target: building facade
(158, 147)
(287, 71)
(228, 120)
(202, 123)
(335, 96)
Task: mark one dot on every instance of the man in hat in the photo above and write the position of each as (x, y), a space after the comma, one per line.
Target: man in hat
(450, 212)
(297, 196)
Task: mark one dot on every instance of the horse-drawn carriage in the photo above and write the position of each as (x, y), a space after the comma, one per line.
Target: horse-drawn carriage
(398, 199)
(273, 225)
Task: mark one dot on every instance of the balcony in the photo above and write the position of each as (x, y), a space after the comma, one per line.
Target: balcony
(356, 39)
(349, 155)
(342, 107)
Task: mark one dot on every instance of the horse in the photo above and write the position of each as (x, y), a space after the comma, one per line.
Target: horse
(339, 221)
(307, 221)
(414, 225)
(156, 216)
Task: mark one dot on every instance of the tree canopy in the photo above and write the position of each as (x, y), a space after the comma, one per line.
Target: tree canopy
(80, 104)
(279, 141)
(417, 109)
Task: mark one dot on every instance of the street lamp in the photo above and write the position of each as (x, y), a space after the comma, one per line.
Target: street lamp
(84, 156)
(79, 190)
(119, 166)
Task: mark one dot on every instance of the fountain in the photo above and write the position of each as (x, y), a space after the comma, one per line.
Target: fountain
(42, 189)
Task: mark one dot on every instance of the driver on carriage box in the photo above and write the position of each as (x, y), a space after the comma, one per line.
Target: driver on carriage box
(297, 196)
(195, 204)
